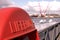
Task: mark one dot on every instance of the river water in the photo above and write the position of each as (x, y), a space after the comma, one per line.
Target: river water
(44, 20)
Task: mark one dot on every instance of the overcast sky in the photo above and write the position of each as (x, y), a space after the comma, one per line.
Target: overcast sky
(53, 4)
(32, 5)
(24, 2)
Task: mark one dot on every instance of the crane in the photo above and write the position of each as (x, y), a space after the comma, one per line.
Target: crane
(43, 12)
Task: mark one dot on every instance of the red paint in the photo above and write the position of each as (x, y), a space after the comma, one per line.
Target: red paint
(15, 22)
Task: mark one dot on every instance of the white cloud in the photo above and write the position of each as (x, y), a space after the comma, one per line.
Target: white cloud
(37, 5)
(7, 3)
(55, 5)
(34, 6)
(52, 5)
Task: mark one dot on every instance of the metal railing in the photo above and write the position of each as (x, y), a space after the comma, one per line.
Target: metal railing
(50, 33)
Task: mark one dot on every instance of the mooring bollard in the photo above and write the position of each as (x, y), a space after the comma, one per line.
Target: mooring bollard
(15, 24)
